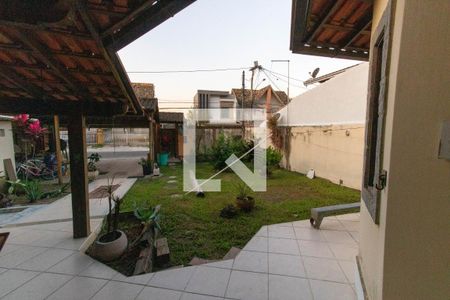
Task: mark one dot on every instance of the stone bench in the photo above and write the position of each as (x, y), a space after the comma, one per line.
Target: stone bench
(318, 213)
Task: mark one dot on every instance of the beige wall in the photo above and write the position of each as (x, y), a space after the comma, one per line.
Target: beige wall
(6, 144)
(407, 255)
(334, 152)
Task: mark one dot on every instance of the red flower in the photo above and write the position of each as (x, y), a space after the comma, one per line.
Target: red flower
(34, 129)
(22, 119)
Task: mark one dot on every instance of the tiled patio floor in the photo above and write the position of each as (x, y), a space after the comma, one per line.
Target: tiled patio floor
(282, 261)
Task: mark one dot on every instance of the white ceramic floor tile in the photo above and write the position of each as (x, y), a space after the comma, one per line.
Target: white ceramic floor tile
(349, 217)
(99, 270)
(209, 281)
(302, 223)
(316, 249)
(78, 288)
(45, 260)
(173, 279)
(251, 261)
(248, 286)
(12, 279)
(344, 251)
(333, 236)
(19, 256)
(325, 290)
(331, 223)
(40, 287)
(118, 290)
(283, 264)
(283, 246)
(349, 268)
(51, 238)
(223, 264)
(355, 235)
(151, 293)
(257, 243)
(73, 264)
(137, 279)
(262, 231)
(288, 288)
(309, 234)
(350, 225)
(189, 296)
(323, 269)
(70, 243)
(281, 232)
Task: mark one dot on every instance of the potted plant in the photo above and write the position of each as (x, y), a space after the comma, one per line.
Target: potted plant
(114, 242)
(244, 201)
(93, 159)
(146, 166)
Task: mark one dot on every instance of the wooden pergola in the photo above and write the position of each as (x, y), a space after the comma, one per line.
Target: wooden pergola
(332, 28)
(59, 57)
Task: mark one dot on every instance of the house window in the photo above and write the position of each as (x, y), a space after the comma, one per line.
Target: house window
(225, 111)
(374, 179)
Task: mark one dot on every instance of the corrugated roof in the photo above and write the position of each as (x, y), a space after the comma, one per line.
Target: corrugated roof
(171, 117)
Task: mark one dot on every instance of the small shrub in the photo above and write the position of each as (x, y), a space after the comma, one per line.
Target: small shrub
(273, 159)
(93, 159)
(224, 147)
(33, 190)
(245, 202)
(229, 211)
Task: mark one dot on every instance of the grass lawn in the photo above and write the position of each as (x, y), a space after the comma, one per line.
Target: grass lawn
(193, 225)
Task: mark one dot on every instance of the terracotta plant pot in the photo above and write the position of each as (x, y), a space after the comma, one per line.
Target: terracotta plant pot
(110, 246)
(245, 204)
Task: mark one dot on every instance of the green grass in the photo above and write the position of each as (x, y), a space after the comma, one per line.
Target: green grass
(193, 225)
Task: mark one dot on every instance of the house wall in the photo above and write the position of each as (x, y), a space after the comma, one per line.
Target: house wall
(6, 144)
(327, 128)
(407, 255)
(215, 111)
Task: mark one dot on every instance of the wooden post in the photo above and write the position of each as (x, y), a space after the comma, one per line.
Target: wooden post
(58, 149)
(78, 175)
(151, 142)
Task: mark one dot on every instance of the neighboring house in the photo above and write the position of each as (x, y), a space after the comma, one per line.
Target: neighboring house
(6, 142)
(326, 127)
(222, 105)
(265, 98)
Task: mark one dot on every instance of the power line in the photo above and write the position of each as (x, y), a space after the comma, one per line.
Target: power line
(284, 80)
(279, 74)
(187, 71)
(270, 79)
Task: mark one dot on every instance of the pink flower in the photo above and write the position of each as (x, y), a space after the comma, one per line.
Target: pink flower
(22, 119)
(34, 129)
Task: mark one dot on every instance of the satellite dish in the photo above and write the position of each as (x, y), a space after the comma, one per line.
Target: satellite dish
(315, 72)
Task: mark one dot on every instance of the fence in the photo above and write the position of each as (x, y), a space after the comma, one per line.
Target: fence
(114, 138)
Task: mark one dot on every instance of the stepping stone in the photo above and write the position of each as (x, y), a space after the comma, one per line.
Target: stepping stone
(232, 253)
(172, 177)
(196, 261)
(176, 196)
(172, 181)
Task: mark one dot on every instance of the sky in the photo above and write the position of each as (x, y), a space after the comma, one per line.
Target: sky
(217, 34)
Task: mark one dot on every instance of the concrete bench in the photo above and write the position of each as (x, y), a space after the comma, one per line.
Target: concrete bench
(318, 213)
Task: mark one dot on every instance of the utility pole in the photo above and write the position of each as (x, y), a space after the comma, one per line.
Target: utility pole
(242, 104)
(255, 67)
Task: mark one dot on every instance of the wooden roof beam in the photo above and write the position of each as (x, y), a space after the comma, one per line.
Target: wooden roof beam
(61, 107)
(329, 12)
(361, 28)
(111, 57)
(42, 53)
(11, 76)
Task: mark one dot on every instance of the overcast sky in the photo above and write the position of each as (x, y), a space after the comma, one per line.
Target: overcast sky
(213, 34)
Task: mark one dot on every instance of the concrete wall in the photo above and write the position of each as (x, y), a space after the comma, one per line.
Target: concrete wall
(334, 152)
(6, 144)
(327, 128)
(407, 255)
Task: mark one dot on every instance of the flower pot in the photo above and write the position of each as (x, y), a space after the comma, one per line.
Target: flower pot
(146, 170)
(245, 204)
(110, 246)
(92, 174)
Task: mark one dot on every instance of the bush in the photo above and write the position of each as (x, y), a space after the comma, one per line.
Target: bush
(228, 212)
(245, 202)
(273, 159)
(224, 147)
